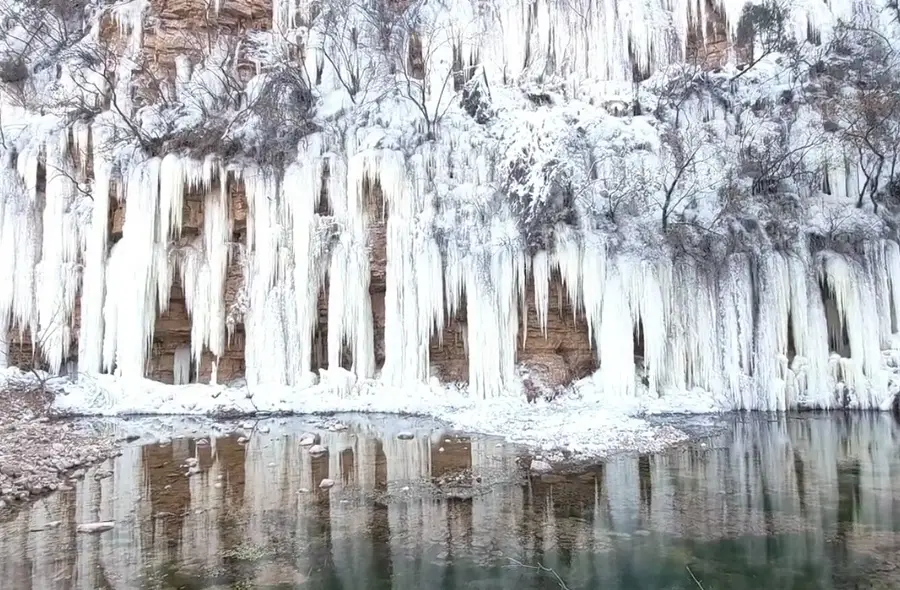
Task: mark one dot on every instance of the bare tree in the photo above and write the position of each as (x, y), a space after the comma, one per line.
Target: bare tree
(680, 179)
(617, 185)
(764, 30)
(357, 40)
(860, 101)
(773, 153)
(425, 79)
(36, 31)
(38, 367)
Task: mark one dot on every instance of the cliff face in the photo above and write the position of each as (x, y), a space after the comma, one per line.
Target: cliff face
(669, 195)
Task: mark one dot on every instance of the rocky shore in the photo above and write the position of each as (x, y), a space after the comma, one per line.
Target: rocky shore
(38, 454)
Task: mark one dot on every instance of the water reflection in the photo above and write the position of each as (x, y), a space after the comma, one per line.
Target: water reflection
(797, 502)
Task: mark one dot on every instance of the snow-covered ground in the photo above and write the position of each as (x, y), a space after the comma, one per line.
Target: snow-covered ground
(582, 421)
(579, 422)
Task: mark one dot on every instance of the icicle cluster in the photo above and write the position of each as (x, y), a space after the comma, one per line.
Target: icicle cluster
(772, 330)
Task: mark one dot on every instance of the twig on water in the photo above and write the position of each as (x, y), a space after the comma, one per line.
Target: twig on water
(696, 581)
(541, 568)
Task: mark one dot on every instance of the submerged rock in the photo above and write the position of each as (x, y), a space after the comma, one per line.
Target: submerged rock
(406, 436)
(326, 483)
(95, 527)
(538, 466)
(317, 450)
(308, 439)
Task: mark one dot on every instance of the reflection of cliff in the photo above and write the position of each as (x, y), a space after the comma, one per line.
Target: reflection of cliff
(782, 496)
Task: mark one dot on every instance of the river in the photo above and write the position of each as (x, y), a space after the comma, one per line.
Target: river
(781, 502)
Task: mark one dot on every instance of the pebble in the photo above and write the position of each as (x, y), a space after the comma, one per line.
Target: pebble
(326, 483)
(317, 450)
(39, 455)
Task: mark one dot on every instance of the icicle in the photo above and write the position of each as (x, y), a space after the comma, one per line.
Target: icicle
(57, 271)
(171, 196)
(18, 228)
(855, 301)
(773, 293)
(414, 301)
(892, 263)
(811, 338)
(736, 333)
(132, 272)
(349, 304)
(129, 18)
(265, 350)
(90, 338)
(304, 185)
(616, 338)
(541, 277)
(182, 365)
(876, 265)
(645, 294)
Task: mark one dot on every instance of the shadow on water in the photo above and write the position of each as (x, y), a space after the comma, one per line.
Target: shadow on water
(796, 502)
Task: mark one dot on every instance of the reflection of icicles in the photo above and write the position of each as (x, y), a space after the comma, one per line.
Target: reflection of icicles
(200, 540)
(729, 490)
(407, 460)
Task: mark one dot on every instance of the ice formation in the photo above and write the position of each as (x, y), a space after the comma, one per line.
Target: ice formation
(468, 209)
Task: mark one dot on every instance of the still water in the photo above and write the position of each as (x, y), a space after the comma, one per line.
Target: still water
(810, 501)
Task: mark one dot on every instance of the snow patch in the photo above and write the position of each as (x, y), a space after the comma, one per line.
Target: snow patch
(578, 422)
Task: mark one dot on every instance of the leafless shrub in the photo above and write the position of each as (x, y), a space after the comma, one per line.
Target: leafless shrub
(422, 81)
(860, 101)
(764, 30)
(616, 187)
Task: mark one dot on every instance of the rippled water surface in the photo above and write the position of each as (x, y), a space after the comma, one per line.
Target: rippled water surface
(799, 502)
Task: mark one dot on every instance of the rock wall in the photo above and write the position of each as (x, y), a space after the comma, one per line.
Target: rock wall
(187, 28)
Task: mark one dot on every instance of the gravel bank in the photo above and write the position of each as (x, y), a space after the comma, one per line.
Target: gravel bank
(39, 455)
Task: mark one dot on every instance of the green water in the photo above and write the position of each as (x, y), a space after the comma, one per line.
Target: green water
(798, 502)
